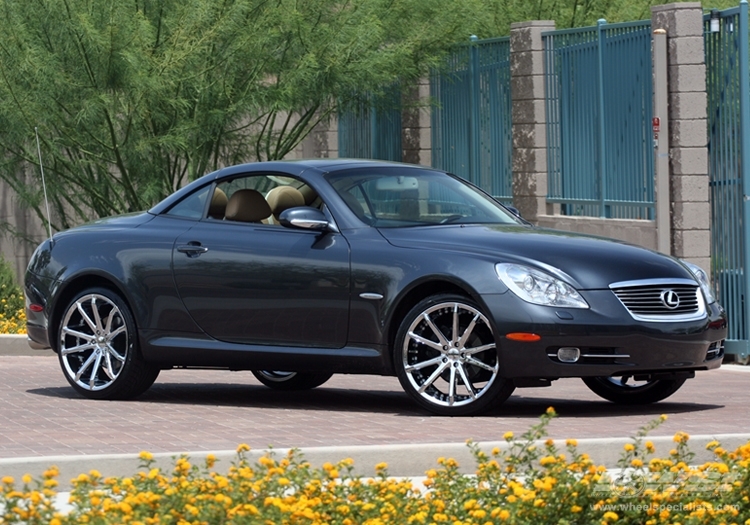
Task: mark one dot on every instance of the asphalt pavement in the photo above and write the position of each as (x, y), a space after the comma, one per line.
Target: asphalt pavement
(368, 418)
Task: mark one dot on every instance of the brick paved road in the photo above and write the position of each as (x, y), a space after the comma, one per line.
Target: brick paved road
(40, 415)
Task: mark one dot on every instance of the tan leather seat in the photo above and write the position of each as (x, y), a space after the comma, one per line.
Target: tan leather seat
(218, 206)
(309, 194)
(282, 198)
(247, 206)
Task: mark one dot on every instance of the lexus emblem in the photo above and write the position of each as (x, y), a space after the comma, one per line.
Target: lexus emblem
(670, 299)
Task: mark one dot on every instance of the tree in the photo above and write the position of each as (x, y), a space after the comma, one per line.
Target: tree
(575, 13)
(133, 99)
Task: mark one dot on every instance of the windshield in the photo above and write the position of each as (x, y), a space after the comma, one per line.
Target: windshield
(399, 197)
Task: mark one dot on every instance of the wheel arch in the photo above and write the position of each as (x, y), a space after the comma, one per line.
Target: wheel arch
(413, 295)
(74, 286)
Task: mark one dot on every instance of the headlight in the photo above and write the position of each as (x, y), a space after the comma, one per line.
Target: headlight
(537, 287)
(702, 278)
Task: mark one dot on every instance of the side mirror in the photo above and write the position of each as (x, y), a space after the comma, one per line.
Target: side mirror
(513, 210)
(304, 217)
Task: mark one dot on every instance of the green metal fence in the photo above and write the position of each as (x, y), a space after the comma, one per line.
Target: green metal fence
(599, 139)
(728, 86)
(372, 129)
(471, 123)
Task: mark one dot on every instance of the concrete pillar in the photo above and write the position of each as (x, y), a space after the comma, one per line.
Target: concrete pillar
(688, 152)
(416, 137)
(529, 117)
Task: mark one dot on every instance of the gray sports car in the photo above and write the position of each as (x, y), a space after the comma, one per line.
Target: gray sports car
(299, 270)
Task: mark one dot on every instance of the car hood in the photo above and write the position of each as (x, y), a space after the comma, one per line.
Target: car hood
(129, 220)
(585, 261)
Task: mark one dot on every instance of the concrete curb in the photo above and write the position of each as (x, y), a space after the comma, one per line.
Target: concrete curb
(403, 460)
(17, 345)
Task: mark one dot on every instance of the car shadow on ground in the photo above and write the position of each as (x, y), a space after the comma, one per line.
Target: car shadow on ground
(374, 401)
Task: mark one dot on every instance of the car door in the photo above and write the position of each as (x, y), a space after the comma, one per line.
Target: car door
(265, 284)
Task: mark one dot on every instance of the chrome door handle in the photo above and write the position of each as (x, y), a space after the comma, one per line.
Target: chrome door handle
(192, 249)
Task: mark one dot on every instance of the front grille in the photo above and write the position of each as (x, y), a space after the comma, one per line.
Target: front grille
(661, 300)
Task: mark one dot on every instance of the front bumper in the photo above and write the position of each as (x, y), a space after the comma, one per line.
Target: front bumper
(616, 343)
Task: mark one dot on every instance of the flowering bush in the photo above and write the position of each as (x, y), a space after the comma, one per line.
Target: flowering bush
(12, 316)
(527, 483)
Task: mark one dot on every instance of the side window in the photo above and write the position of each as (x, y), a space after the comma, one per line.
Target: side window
(259, 198)
(192, 206)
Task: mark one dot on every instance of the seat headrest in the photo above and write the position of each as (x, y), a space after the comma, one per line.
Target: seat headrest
(282, 198)
(308, 193)
(247, 206)
(218, 205)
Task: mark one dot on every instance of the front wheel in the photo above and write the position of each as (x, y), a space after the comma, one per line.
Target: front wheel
(98, 347)
(446, 357)
(279, 380)
(625, 390)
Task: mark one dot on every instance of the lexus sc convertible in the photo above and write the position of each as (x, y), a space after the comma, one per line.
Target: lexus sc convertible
(300, 270)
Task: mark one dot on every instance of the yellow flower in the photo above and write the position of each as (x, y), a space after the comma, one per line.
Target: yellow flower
(571, 442)
(629, 447)
(681, 437)
(146, 456)
(7, 480)
(610, 516)
(575, 509)
(26, 478)
(637, 463)
(381, 466)
(243, 447)
(507, 436)
(551, 411)
(650, 446)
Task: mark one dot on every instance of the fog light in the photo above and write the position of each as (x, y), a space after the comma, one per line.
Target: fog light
(568, 354)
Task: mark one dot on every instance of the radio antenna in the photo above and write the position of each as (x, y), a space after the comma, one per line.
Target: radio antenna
(44, 185)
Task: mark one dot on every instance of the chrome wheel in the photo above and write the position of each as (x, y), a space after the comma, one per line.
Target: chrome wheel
(283, 380)
(98, 348)
(448, 359)
(275, 376)
(93, 342)
(627, 390)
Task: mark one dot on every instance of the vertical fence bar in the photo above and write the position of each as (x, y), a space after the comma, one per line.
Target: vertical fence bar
(602, 134)
(474, 127)
(745, 151)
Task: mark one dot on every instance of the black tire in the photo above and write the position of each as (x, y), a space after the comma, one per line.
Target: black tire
(279, 380)
(621, 391)
(445, 346)
(98, 347)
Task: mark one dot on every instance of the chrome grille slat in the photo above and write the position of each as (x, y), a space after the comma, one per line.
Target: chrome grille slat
(648, 300)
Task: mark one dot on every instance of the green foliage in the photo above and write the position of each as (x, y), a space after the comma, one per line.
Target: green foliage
(574, 13)
(133, 99)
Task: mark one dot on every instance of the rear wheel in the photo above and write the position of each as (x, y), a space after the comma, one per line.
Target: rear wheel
(279, 380)
(446, 357)
(98, 347)
(625, 390)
